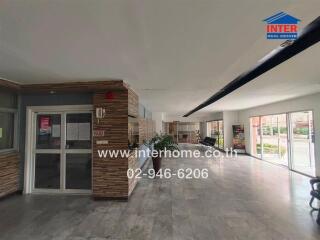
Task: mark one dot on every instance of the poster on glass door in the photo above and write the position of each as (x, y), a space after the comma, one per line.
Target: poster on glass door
(45, 125)
(238, 140)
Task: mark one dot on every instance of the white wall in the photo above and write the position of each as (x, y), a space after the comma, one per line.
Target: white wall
(158, 117)
(310, 102)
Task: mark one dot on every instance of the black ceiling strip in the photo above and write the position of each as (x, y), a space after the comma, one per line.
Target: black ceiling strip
(307, 37)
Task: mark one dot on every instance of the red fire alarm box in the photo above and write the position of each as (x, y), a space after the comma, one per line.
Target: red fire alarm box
(109, 95)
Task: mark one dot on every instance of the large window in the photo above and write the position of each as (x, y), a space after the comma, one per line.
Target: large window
(269, 138)
(8, 113)
(271, 135)
(255, 136)
(274, 138)
(215, 130)
(302, 142)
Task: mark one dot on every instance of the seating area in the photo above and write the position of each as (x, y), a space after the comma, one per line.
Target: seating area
(208, 141)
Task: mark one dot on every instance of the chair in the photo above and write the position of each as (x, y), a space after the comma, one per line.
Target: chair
(315, 194)
(208, 141)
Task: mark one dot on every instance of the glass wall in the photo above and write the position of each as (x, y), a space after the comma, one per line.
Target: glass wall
(215, 130)
(269, 136)
(302, 142)
(269, 140)
(274, 138)
(8, 115)
(255, 136)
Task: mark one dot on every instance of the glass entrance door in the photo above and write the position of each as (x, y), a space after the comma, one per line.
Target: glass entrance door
(62, 152)
(78, 151)
(47, 159)
(302, 142)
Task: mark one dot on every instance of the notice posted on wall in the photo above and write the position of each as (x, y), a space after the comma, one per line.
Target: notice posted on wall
(78, 131)
(56, 130)
(84, 131)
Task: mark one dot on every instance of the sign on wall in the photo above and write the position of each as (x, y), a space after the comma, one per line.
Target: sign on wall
(282, 26)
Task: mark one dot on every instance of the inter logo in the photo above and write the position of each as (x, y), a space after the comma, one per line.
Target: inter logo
(282, 26)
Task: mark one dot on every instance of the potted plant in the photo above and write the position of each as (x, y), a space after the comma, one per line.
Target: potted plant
(161, 143)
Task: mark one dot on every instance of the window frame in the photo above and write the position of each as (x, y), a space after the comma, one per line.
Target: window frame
(15, 129)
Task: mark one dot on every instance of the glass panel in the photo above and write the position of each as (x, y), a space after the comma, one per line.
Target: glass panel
(6, 130)
(78, 131)
(48, 131)
(221, 135)
(302, 142)
(215, 130)
(274, 138)
(47, 171)
(255, 136)
(283, 139)
(78, 171)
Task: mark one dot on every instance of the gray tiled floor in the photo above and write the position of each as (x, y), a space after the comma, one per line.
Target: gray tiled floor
(243, 198)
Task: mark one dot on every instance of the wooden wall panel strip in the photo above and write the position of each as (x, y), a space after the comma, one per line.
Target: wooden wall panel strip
(5, 84)
(92, 86)
(133, 163)
(133, 101)
(110, 174)
(146, 129)
(9, 173)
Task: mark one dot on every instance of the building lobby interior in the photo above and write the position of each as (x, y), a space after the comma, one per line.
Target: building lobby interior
(81, 78)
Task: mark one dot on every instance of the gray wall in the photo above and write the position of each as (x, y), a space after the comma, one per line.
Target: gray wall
(44, 100)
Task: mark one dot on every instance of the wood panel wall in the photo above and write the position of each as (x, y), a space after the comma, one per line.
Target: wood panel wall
(110, 174)
(9, 162)
(9, 173)
(133, 103)
(133, 163)
(146, 129)
(92, 86)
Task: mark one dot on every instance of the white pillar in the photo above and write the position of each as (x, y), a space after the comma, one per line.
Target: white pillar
(158, 117)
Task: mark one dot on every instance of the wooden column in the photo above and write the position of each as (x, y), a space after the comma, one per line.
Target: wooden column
(110, 174)
(110, 179)
(9, 173)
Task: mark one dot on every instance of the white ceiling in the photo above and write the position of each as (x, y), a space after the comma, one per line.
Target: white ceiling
(174, 53)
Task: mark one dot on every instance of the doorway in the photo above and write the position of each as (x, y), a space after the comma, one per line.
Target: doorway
(59, 156)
